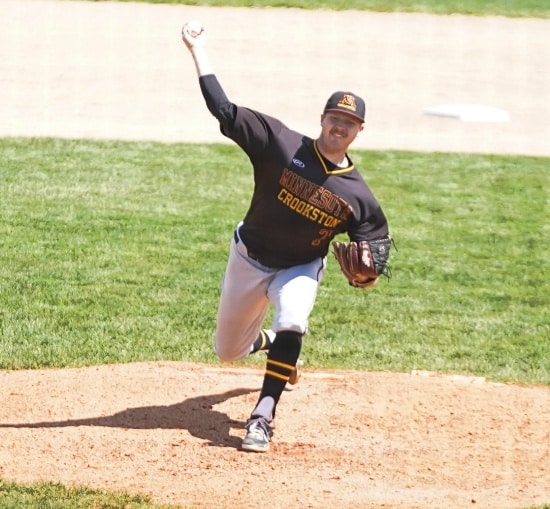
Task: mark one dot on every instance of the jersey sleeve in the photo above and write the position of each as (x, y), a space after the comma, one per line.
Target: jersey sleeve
(253, 131)
(250, 129)
(217, 102)
(368, 220)
(372, 227)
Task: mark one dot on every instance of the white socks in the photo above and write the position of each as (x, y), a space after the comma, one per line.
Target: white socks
(265, 408)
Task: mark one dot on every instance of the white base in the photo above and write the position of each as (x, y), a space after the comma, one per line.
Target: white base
(469, 112)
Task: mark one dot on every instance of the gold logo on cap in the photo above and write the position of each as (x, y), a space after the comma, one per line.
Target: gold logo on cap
(348, 102)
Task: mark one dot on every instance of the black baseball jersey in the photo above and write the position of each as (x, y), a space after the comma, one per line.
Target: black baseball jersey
(301, 200)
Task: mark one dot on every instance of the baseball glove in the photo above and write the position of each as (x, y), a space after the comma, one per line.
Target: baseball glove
(364, 261)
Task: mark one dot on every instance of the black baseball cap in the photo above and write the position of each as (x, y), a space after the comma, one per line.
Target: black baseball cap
(347, 102)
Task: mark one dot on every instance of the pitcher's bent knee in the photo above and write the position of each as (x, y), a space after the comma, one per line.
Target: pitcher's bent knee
(228, 353)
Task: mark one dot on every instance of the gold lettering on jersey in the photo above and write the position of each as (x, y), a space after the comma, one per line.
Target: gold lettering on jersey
(321, 198)
(307, 210)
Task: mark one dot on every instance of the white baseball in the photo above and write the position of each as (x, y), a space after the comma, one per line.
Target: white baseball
(194, 27)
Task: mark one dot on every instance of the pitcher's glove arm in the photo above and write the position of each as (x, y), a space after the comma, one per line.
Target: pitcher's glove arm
(363, 262)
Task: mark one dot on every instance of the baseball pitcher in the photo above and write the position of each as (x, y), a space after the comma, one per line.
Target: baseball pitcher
(306, 191)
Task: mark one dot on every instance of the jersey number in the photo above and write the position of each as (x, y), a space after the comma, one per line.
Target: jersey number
(323, 235)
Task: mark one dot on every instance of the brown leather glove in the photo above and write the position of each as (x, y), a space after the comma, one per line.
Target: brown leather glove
(364, 261)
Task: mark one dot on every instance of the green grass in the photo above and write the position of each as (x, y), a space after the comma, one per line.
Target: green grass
(509, 8)
(56, 496)
(113, 252)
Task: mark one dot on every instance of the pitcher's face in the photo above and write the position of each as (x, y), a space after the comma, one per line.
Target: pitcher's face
(338, 130)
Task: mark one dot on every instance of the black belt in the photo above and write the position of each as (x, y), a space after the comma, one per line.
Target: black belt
(250, 253)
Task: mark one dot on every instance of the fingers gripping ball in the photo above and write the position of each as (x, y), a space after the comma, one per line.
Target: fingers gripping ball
(363, 262)
(193, 33)
(195, 27)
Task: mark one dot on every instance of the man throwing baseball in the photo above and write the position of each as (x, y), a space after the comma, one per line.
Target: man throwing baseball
(306, 191)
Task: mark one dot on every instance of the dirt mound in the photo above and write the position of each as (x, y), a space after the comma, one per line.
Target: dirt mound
(342, 439)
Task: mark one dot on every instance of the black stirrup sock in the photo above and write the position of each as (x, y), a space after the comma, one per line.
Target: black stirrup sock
(281, 360)
(262, 342)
